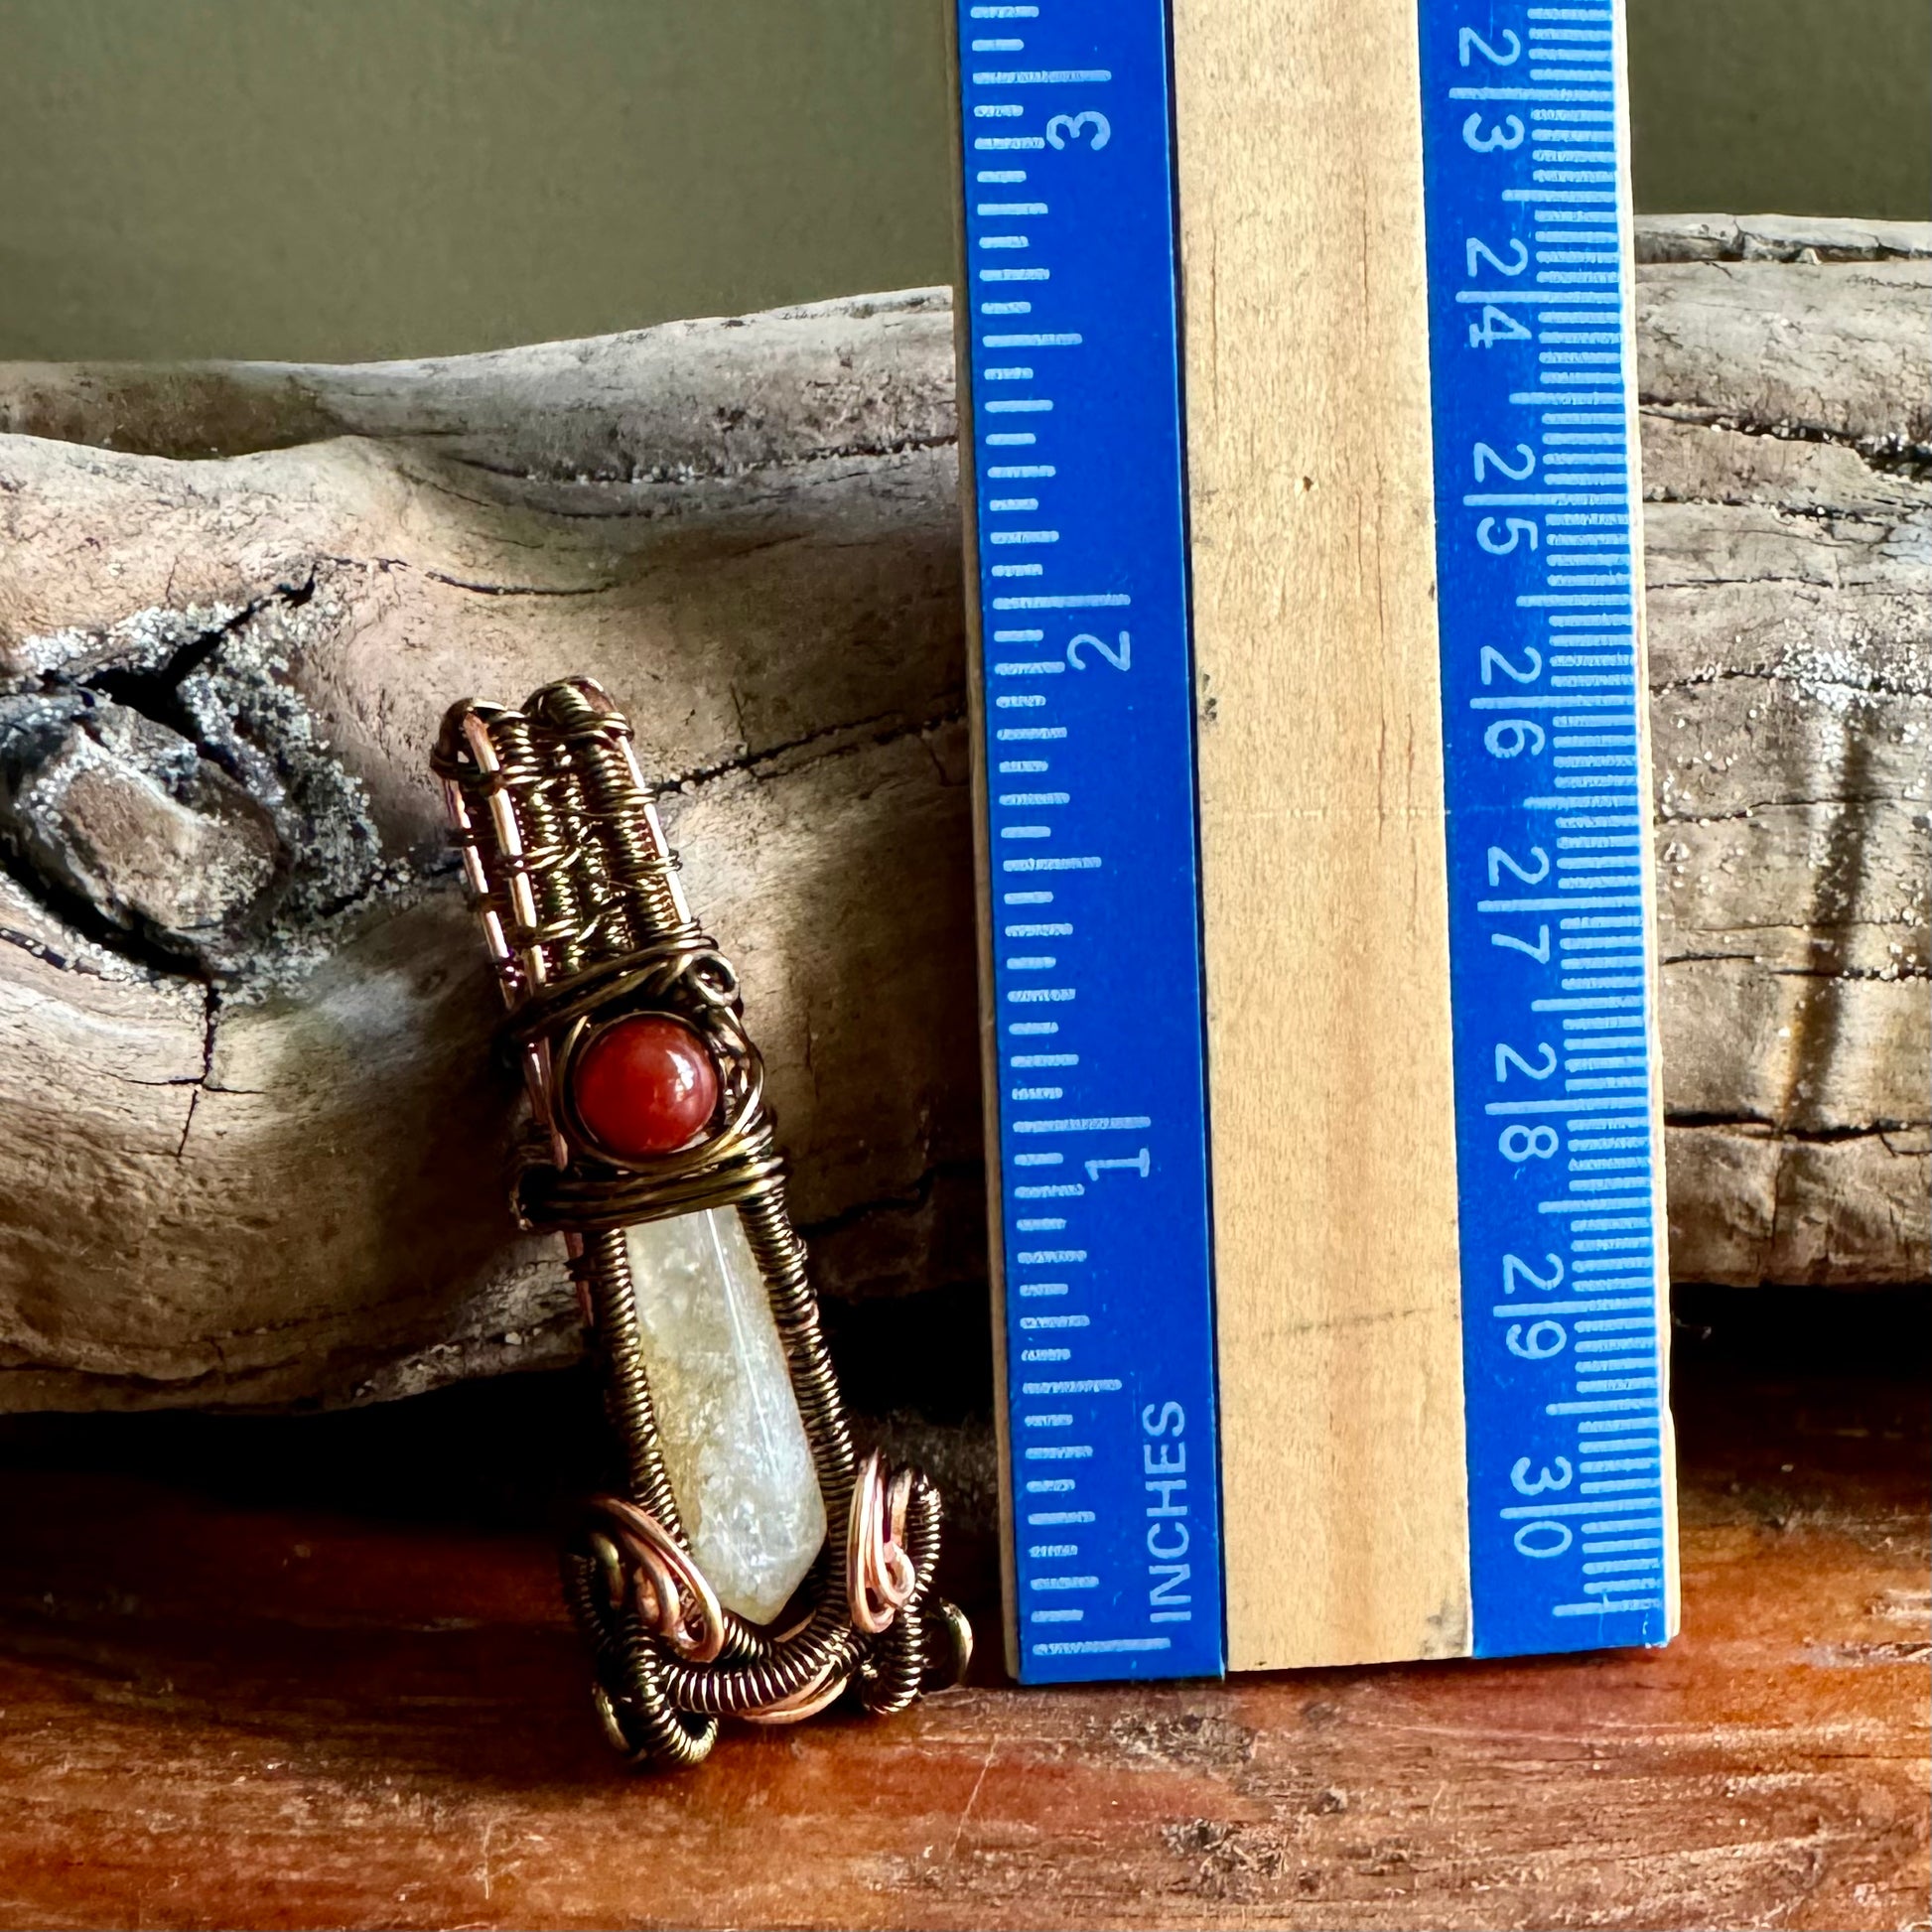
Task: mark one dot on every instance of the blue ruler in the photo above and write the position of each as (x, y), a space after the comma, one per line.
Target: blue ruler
(1077, 478)
(1076, 466)
(1526, 200)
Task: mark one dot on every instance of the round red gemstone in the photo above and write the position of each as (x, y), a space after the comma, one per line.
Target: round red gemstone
(644, 1085)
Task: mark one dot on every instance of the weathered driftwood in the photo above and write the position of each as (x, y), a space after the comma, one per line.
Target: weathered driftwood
(258, 1147)
(1786, 371)
(259, 1142)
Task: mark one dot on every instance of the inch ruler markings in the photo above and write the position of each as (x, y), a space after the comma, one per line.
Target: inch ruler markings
(1527, 216)
(1089, 800)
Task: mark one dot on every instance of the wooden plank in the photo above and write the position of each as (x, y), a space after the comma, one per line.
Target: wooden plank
(315, 1674)
(1326, 921)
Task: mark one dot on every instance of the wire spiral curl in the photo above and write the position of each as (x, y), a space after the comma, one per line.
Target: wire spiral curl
(586, 923)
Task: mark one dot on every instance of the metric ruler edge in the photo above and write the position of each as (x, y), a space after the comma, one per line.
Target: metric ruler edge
(1539, 1583)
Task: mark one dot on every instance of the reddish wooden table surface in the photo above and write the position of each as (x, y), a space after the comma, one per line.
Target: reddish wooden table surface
(303, 1674)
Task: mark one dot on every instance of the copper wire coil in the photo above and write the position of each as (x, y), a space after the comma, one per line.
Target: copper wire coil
(585, 919)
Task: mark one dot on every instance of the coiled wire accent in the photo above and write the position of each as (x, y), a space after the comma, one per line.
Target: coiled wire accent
(586, 921)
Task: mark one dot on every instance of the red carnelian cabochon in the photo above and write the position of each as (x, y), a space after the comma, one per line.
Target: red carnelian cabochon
(644, 1085)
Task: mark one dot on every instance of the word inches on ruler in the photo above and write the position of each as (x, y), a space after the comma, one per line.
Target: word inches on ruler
(1527, 225)
(1089, 762)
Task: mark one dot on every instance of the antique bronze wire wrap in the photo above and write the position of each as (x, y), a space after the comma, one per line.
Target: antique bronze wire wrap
(586, 923)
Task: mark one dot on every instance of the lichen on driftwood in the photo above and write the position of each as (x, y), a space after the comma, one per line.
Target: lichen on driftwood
(259, 1139)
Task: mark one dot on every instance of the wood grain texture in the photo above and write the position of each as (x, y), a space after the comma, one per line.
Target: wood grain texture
(252, 1683)
(1325, 913)
(263, 1148)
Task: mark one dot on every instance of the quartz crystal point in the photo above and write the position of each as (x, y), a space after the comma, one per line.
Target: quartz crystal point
(728, 1423)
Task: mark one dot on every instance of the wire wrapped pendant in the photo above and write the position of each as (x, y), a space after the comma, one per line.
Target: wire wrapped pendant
(652, 1154)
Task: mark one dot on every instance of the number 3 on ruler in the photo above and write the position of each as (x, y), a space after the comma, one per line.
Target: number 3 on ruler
(1507, 133)
(1121, 659)
(1064, 128)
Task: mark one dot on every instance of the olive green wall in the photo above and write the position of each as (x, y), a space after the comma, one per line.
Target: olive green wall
(334, 179)
(1783, 106)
